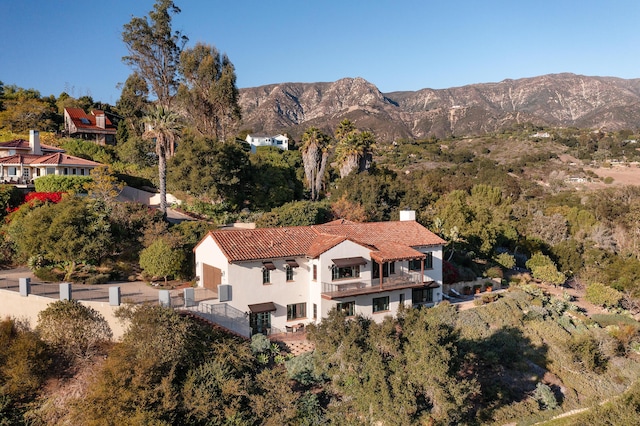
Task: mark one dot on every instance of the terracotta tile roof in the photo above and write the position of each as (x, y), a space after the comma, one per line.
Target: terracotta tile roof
(264, 243)
(57, 159)
(390, 252)
(408, 233)
(24, 144)
(87, 122)
(387, 241)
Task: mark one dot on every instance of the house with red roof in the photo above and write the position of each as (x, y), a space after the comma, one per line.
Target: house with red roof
(284, 278)
(23, 161)
(94, 126)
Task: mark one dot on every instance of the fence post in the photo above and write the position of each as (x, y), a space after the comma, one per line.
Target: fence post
(164, 298)
(65, 291)
(189, 297)
(25, 286)
(114, 296)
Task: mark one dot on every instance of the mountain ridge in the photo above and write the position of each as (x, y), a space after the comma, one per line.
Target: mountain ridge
(556, 100)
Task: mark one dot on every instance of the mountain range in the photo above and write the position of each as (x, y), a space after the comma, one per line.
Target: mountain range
(556, 100)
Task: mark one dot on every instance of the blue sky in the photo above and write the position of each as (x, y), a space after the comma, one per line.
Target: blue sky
(65, 45)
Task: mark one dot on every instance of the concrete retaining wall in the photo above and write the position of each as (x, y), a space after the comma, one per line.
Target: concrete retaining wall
(12, 304)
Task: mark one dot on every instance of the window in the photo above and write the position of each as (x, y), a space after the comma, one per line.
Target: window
(422, 295)
(387, 268)
(315, 311)
(51, 171)
(81, 172)
(260, 322)
(13, 171)
(349, 308)
(297, 310)
(380, 304)
(73, 171)
(346, 272)
(315, 272)
(414, 265)
(428, 262)
(266, 276)
(289, 271)
(65, 171)
(401, 299)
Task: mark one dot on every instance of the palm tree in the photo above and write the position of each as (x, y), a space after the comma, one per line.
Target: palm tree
(353, 151)
(163, 126)
(315, 147)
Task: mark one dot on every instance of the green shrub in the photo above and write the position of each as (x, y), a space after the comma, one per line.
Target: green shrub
(76, 330)
(60, 183)
(505, 260)
(48, 274)
(260, 343)
(545, 397)
(586, 351)
(494, 272)
(614, 319)
(600, 294)
(302, 369)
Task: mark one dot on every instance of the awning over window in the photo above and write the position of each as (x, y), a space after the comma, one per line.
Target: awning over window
(262, 307)
(346, 262)
(269, 265)
(292, 263)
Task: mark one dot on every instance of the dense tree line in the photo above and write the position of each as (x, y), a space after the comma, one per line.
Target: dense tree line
(526, 356)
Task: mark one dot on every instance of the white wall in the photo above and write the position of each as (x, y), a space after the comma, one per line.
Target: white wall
(14, 305)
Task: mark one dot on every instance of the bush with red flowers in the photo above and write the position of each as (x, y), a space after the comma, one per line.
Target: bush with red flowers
(53, 197)
(449, 273)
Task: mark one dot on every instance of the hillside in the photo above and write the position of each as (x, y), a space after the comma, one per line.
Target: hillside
(556, 100)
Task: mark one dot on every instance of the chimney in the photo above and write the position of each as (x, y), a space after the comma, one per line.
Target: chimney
(407, 215)
(34, 142)
(100, 120)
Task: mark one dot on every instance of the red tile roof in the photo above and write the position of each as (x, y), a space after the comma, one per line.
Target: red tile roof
(24, 144)
(77, 115)
(388, 241)
(57, 159)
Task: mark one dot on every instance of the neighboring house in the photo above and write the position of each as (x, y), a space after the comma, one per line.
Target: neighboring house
(280, 141)
(284, 277)
(21, 162)
(95, 126)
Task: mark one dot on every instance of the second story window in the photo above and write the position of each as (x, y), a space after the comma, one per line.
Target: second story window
(315, 272)
(289, 271)
(339, 273)
(267, 267)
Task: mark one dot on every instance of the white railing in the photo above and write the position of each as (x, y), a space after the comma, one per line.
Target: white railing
(225, 316)
(392, 280)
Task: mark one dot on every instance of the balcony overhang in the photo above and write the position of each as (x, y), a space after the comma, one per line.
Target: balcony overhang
(346, 262)
(259, 308)
(363, 289)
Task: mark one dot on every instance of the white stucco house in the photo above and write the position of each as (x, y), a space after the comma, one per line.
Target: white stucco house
(256, 140)
(283, 278)
(21, 161)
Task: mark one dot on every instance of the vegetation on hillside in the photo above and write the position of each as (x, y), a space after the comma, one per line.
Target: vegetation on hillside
(502, 201)
(524, 358)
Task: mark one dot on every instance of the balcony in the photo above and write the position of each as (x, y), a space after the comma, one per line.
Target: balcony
(349, 288)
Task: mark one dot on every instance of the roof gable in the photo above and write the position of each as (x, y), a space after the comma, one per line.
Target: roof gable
(387, 240)
(24, 144)
(83, 121)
